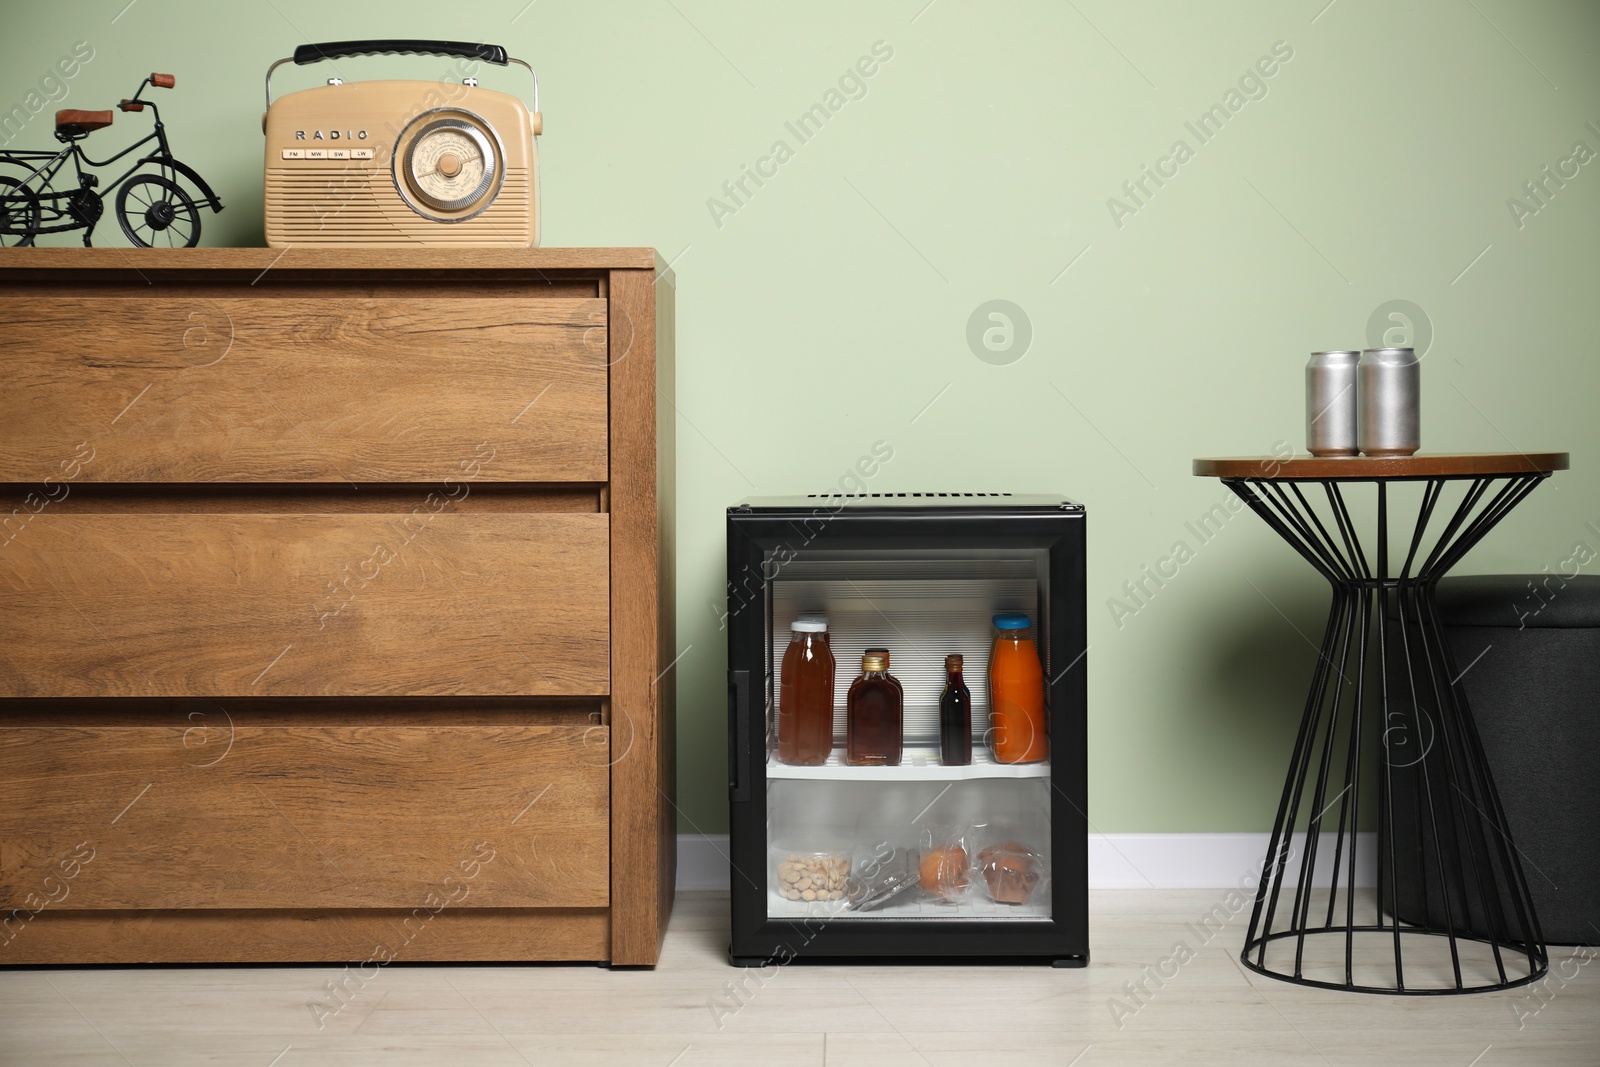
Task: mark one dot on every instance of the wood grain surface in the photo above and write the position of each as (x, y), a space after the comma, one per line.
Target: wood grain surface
(955, 1014)
(359, 936)
(641, 865)
(1421, 465)
(239, 389)
(305, 817)
(427, 604)
(668, 656)
(337, 260)
(317, 566)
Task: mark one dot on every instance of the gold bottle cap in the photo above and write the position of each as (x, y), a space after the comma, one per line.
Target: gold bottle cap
(873, 661)
(884, 652)
(952, 663)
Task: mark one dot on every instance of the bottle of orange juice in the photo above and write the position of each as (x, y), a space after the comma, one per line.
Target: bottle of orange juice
(1019, 733)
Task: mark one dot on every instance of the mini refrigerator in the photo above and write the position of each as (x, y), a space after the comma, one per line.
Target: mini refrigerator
(923, 860)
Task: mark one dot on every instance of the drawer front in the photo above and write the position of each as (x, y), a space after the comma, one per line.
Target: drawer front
(303, 817)
(422, 604)
(297, 389)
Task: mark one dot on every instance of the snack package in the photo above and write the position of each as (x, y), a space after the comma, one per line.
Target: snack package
(1010, 872)
(881, 877)
(944, 866)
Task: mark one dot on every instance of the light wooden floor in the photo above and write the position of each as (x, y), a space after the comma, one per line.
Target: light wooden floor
(1211, 1012)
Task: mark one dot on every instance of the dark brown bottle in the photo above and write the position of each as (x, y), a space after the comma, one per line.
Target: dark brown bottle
(875, 714)
(955, 717)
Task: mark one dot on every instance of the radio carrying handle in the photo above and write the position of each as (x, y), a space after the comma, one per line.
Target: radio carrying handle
(486, 53)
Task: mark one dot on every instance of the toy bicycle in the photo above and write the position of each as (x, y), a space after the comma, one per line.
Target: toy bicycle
(154, 208)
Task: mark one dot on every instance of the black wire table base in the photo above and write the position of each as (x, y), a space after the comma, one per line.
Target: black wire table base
(1451, 911)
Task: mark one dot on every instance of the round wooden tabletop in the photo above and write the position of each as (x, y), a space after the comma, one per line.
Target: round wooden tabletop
(1421, 465)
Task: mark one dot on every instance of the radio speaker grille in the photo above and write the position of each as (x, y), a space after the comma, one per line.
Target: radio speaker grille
(339, 206)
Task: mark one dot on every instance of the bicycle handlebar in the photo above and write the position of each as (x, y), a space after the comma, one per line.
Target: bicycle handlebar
(160, 81)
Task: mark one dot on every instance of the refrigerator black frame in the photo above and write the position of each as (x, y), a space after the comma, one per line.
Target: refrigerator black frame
(788, 530)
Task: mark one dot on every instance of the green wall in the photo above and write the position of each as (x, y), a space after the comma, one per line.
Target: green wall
(823, 312)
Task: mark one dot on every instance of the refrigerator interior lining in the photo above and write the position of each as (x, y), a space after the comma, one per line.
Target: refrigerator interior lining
(921, 610)
(863, 820)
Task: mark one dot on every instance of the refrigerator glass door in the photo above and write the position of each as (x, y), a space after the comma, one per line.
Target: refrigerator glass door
(920, 840)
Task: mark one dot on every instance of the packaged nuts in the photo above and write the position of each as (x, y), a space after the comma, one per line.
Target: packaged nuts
(814, 876)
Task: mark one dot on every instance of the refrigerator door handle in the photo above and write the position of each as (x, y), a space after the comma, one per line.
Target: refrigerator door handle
(739, 757)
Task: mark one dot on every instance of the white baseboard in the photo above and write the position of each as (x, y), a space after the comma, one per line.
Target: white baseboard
(703, 861)
(1116, 861)
(1211, 861)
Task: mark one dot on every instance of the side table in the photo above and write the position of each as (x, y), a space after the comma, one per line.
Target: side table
(1383, 695)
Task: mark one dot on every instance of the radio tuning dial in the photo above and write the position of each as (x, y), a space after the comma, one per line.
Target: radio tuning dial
(449, 164)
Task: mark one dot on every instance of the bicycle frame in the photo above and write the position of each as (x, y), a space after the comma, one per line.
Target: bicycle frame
(56, 160)
(58, 203)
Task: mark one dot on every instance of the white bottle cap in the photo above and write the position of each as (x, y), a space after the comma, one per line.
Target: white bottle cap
(810, 624)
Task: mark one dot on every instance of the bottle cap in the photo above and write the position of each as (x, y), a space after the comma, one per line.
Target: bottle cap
(952, 663)
(1012, 620)
(881, 652)
(810, 624)
(874, 662)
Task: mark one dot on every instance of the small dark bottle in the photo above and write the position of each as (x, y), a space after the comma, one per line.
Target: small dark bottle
(955, 717)
(875, 715)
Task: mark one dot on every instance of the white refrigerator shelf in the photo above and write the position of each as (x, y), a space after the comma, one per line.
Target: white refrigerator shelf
(918, 763)
(911, 906)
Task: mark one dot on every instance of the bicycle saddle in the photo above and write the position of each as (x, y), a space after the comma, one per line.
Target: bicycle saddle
(77, 123)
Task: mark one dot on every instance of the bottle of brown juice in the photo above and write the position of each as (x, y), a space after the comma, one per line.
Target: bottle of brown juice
(875, 714)
(805, 694)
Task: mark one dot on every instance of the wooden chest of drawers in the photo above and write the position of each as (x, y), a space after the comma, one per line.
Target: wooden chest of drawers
(335, 605)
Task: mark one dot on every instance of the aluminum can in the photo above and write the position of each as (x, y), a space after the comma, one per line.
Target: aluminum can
(1331, 403)
(1389, 402)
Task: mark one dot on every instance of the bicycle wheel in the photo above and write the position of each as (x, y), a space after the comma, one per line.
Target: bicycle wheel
(156, 213)
(19, 214)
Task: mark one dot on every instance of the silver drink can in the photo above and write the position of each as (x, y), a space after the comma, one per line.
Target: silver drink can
(1331, 403)
(1389, 408)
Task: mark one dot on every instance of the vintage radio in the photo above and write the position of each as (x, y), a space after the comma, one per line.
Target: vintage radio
(402, 162)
